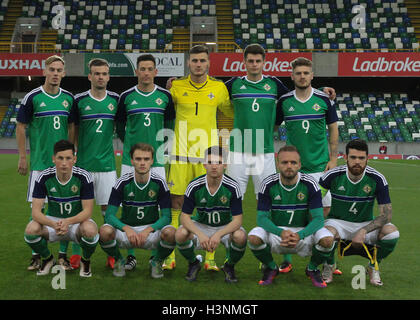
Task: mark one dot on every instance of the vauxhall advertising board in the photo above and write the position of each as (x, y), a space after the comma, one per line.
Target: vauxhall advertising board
(17, 64)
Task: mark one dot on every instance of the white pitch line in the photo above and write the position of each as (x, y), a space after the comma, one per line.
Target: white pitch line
(395, 163)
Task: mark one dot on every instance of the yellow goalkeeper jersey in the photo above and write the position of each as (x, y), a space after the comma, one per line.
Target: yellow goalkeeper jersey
(196, 105)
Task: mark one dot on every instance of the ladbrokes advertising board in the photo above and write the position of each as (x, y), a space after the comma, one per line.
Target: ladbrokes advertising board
(231, 64)
(389, 64)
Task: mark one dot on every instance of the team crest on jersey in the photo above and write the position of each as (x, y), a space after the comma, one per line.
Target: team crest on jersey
(111, 107)
(159, 101)
(152, 194)
(367, 188)
(211, 95)
(300, 196)
(74, 188)
(316, 107)
(267, 87)
(223, 199)
(65, 104)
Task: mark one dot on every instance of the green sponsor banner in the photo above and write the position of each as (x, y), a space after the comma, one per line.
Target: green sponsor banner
(119, 64)
(124, 64)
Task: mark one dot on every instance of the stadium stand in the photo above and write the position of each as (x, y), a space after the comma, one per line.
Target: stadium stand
(299, 25)
(111, 25)
(8, 122)
(374, 117)
(322, 24)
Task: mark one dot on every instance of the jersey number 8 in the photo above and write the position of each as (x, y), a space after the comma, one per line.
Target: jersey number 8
(56, 122)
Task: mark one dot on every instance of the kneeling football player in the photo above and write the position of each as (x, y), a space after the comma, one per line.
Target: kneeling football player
(218, 201)
(143, 194)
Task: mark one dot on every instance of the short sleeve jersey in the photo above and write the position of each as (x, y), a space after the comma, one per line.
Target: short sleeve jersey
(140, 204)
(306, 123)
(354, 201)
(195, 122)
(64, 199)
(47, 118)
(255, 113)
(95, 118)
(144, 115)
(289, 206)
(213, 210)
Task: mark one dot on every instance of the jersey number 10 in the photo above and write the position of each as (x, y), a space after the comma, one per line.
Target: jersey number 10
(213, 217)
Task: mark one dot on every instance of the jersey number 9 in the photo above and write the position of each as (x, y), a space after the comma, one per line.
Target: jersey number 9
(305, 125)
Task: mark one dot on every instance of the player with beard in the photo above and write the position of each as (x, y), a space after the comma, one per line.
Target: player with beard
(354, 187)
(290, 219)
(307, 112)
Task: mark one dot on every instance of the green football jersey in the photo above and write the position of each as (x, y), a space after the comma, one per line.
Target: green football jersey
(144, 115)
(140, 204)
(354, 201)
(64, 200)
(95, 119)
(47, 118)
(306, 123)
(254, 106)
(289, 206)
(213, 210)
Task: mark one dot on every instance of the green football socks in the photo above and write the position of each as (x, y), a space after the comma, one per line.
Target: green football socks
(187, 250)
(38, 244)
(111, 249)
(235, 252)
(88, 246)
(164, 249)
(263, 253)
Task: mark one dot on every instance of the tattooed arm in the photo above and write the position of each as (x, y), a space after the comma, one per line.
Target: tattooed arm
(384, 217)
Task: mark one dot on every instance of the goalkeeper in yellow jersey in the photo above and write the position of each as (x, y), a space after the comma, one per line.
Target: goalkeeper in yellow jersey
(196, 98)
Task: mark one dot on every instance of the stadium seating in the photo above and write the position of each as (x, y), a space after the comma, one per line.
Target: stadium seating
(8, 123)
(322, 24)
(374, 117)
(3, 10)
(115, 24)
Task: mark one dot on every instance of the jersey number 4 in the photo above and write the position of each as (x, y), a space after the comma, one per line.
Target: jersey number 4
(353, 208)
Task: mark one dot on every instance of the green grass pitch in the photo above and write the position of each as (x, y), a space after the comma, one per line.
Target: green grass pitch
(398, 271)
